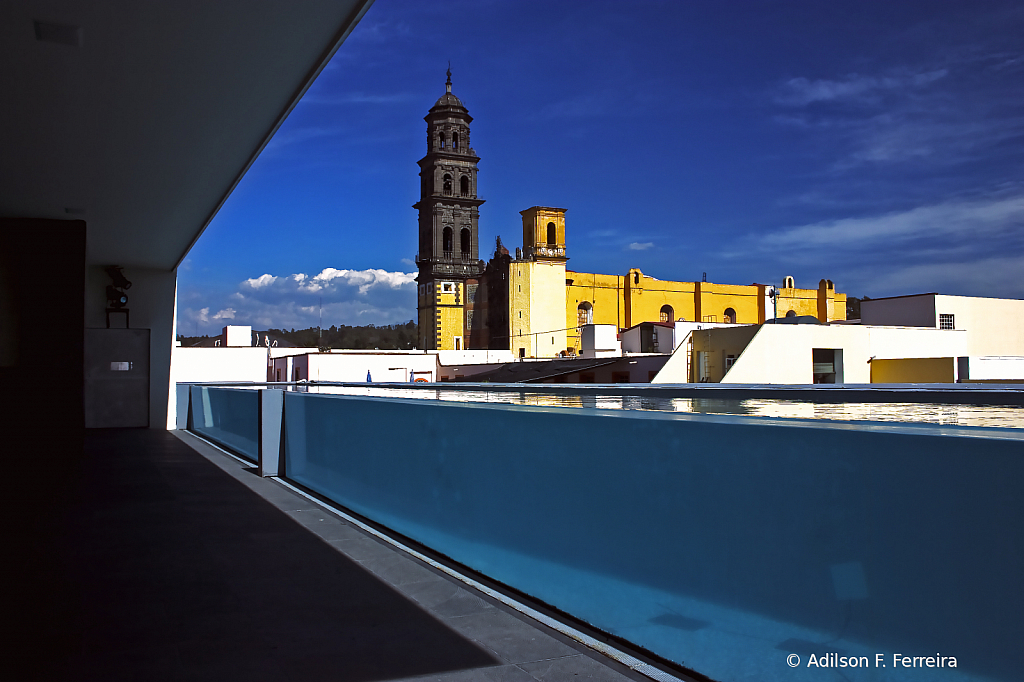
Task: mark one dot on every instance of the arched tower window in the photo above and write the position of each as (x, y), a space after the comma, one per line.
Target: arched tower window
(447, 184)
(790, 313)
(455, 141)
(788, 283)
(440, 140)
(466, 242)
(667, 314)
(584, 314)
(729, 316)
(446, 240)
(552, 236)
(464, 186)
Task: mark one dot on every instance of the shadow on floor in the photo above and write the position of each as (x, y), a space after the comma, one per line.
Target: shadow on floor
(170, 569)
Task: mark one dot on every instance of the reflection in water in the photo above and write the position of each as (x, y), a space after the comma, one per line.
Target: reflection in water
(925, 413)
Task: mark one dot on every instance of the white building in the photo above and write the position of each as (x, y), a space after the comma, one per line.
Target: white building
(995, 326)
(810, 353)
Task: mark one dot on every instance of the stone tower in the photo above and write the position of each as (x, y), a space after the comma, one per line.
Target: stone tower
(448, 258)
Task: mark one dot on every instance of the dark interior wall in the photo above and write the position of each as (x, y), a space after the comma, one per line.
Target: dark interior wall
(42, 279)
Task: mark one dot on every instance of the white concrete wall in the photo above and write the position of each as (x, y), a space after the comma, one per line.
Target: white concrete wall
(781, 354)
(236, 335)
(995, 326)
(473, 357)
(220, 364)
(993, 369)
(353, 367)
(684, 328)
(631, 339)
(281, 352)
(599, 337)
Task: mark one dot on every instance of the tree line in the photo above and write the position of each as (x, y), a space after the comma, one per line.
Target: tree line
(371, 336)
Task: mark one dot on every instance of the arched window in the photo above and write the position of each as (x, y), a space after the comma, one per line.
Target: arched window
(465, 242)
(446, 238)
(788, 283)
(447, 184)
(455, 140)
(790, 313)
(667, 314)
(584, 314)
(440, 140)
(464, 186)
(729, 316)
(552, 235)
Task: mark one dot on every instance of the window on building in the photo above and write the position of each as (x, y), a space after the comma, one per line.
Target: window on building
(446, 241)
(790, 313)
(458, 343)
(447, 184)
(729, 316)
(448, 288)
(584, 314)
(522, 352)
(946, 322)
(552, 234)
(788, 283)
(667, 314)
(464, 186)
(465, 242)
(455, 140)
(440, 140)
(730, 360)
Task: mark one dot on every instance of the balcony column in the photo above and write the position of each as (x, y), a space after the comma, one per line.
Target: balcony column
(271, 423)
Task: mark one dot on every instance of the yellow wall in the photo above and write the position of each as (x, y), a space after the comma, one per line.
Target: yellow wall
(913, 371)
(444, 311)
(547, 324)
(645, 296)
(519, 313)
(603, 292)
(714, 299)
(536, 314)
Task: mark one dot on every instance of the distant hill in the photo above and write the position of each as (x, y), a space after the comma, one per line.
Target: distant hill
(384, 337)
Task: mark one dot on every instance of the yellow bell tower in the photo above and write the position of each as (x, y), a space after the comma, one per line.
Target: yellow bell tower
(537, 285)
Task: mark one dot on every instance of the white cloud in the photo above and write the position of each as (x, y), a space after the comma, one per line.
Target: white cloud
(970, 247)
(802, 91)
(372, 296)
(261, 281)
(640, 246)
(939, 223)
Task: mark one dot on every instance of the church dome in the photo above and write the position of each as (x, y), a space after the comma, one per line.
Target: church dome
(449, 100)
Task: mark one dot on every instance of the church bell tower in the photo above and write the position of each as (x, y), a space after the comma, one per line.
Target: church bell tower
(448, 258)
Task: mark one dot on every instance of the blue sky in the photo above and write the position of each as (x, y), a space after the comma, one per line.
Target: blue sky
(877, 144)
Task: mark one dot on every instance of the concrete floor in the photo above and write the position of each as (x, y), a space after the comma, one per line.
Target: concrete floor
(173, 561)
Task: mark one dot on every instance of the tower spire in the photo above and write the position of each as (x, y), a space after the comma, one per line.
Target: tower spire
(448, 85)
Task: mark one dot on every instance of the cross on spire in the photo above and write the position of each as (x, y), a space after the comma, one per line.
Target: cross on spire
(448, 85)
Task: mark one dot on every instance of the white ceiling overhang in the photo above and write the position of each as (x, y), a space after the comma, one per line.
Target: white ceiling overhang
(144, 124)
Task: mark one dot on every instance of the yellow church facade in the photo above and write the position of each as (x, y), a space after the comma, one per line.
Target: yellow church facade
(548, 304)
